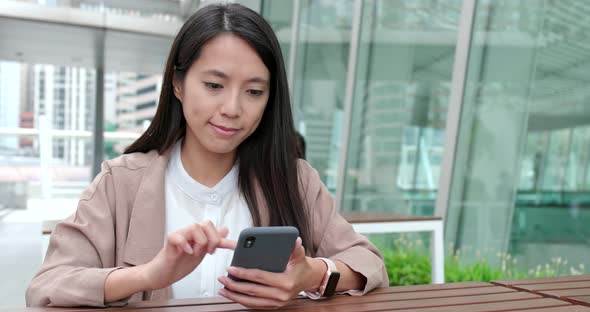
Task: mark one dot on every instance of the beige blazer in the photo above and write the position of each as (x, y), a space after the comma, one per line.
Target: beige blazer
(120, 222)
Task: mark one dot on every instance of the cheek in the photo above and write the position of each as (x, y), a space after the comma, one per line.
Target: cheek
(195, 105)
(256, 118)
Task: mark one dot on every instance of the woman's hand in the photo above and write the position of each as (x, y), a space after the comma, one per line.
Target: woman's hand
(267, 290)
(184, 251)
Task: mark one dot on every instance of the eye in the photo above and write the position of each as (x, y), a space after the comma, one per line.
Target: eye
(213, 85)
(255, 92)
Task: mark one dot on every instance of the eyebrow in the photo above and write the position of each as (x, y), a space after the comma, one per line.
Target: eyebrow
(223, 75)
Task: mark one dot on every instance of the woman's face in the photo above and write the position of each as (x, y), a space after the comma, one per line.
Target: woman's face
(223, 95)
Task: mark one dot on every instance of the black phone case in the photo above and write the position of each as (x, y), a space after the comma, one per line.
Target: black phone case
(271, 250)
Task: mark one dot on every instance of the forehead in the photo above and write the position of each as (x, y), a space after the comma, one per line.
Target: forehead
(232, 55)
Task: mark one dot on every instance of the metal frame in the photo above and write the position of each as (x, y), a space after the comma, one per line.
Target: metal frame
(348, 100)
(293, 47)
(436, 245)
(462, 51)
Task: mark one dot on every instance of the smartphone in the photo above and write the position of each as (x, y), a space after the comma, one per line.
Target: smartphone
(264, 248)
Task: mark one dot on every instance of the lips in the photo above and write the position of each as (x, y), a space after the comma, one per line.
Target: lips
(224, 131)
(225, 128)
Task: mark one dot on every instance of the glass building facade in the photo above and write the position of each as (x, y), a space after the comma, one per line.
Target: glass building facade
(477, 111)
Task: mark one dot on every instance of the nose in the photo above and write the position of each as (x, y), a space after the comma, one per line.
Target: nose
(231, 106)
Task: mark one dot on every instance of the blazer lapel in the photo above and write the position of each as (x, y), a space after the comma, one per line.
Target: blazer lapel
(147, 224)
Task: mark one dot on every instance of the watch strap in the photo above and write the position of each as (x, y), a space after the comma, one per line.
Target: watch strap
(329, 281)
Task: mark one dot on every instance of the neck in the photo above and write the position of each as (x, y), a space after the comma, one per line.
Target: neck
(203, 166)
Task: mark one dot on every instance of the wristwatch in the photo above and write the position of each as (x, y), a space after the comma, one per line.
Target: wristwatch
(329, 281)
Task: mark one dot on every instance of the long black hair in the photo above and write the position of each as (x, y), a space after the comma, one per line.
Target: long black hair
(268, 156)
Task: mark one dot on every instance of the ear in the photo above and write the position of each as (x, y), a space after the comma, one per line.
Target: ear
(177, 88)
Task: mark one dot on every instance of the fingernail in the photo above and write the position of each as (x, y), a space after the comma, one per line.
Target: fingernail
(188, 249)
(232, 270)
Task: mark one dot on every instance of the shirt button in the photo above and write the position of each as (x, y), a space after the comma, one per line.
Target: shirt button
(205, 294)
(214, 196)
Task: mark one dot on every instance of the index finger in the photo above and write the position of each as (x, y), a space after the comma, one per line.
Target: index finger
(227, 244)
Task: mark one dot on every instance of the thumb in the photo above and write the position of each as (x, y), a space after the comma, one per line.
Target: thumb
(298, 250)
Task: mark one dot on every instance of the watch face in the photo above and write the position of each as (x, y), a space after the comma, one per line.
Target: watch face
(331, 285)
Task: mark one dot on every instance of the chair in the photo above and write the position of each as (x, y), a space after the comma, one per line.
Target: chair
(368, 222)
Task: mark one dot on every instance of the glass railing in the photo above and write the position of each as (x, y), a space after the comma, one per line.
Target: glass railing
(49, 163)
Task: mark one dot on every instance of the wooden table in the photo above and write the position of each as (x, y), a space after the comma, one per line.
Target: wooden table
(468, 296)
(574, 289)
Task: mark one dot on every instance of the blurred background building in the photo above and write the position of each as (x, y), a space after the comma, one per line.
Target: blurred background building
(474, 110)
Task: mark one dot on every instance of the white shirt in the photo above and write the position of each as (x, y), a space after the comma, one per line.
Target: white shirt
(188, 202)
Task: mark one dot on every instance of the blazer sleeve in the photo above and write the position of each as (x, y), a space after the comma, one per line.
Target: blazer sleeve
(81, 252)
(334, 237)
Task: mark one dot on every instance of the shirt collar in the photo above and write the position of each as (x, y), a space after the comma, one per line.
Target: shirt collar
(211, 195)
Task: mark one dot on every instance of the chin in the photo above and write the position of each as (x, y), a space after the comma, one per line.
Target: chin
(222, 149)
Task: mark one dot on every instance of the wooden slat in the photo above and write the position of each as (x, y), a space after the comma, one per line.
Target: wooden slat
(584, 300)
(448, 293)
(389, 303)
(571, 308)
(546, 304)
(400, 297)
(186, 302)
(179, 302)
(379, 216)
(554, 286)
(209, 308)
(34, 309)
(559, 279)
(565, 293)
(430, 287)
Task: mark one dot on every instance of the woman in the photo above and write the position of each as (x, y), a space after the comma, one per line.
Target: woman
(218, 157)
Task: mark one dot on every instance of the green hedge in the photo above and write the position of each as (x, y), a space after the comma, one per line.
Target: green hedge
(409, 264)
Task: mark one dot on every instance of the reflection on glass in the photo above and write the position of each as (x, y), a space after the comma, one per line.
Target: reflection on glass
(279, 15)
(320, 78)
(161, 10)
(131, 101)
(401, 100)
(520, 179)
(47, 115)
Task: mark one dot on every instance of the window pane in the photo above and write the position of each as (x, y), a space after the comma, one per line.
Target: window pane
(47, 114)
(161, 10)
(320, 79)
(400, 106)
(279, 14)
(131, 101)
(520, 177)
